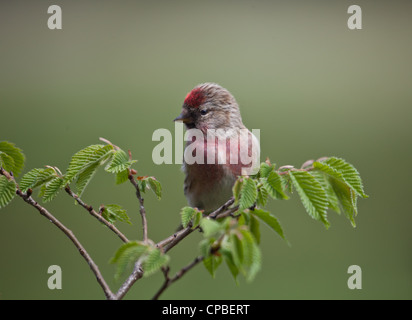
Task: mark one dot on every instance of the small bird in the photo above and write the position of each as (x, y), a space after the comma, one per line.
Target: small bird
(223, 147)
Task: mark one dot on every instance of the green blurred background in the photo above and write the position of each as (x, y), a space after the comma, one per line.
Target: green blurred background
(121, 69)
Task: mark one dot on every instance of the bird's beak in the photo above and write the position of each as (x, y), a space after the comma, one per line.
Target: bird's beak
(183, 117)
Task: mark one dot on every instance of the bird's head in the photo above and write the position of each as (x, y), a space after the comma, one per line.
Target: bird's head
(209, 106)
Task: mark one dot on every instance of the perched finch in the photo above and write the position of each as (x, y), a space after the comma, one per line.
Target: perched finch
(219, 147)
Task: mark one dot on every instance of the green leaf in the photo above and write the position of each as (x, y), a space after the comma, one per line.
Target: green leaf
(120, 162)
(155, 186)
(266, 169)
(6, 162)
(84, 178)
(248, 194)
(346, 197)
(142, 184)
(7, 191)
(127, 254)
(86, 158)
(254, 227)
(236, 249)
(197, 218)
(36, 177)
(274, 185)
(270, 220)
(186, 215)
(342, 170)
(51, 189)
(122, 177)
(252, 259)
(211, 263)
(312, 195)
(236, 189)
(263, 195)
(333, 201)
(154, 260)
(234, 270)
(114, 212)
(210, 227)
(11, 151)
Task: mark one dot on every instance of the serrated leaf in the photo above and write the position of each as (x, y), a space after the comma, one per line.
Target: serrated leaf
(263, 195)
(274, 184)
(36, 177)
(266, 169)
(342, 170)
(270, 220)
(7, 191)
(126, 255)
(85, 177)
(120, 162)
(312, 195)
(16, 154)
(186, 215)
(248, 194)
(114, 212)
(6, 162)
(52, 188)
(346, 197)
(333, 201)
(154, 260)
(85, 158)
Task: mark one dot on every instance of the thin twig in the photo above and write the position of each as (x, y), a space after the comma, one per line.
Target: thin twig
(96, 215)
(134, 276)
(43, 211)
(168, 281)
(228, 203)
(180, 236)
(142, 209)
(169, 239)
(228, 212)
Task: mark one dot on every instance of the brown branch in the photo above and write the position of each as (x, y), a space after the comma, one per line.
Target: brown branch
(218, 211)
(142, 209)
(129, 282)
(43, 211)
(175, 238)
(168, 281)
(180, 236)
(96, 215)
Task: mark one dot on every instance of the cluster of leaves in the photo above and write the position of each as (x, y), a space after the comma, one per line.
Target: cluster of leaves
(329, 183)
(83, 165)
(11, 160)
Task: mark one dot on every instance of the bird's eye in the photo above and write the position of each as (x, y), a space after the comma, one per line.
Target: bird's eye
(203, 112)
